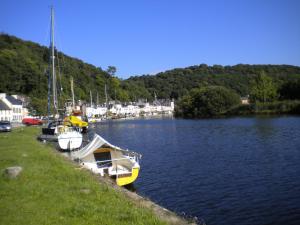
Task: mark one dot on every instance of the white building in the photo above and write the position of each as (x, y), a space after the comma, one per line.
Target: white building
(98, 111)
(11, 108)
(119, 110)
(5, 112)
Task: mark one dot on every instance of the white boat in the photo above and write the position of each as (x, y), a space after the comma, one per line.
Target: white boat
(69, 138)
(103, 158)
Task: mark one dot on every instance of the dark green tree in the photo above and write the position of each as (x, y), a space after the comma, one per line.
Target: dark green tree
(206, 102)
(290, 90)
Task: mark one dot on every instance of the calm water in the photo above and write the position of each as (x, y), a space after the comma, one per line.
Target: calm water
(224, 171)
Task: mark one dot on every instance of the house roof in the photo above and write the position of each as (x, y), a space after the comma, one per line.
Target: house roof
(3, 106)
(13, 101)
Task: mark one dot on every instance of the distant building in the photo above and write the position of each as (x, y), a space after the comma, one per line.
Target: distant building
(11, 108)
(245, 100)
(5, 112)
(143, 108)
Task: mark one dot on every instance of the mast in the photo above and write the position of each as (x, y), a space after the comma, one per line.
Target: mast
(91, 98)
(97, 100)
(49, 93)
(73, 96)
(53, 63)
(106, 100)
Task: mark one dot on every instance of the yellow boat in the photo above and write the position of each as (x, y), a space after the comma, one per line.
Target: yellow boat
(76, 122)
(103, 158)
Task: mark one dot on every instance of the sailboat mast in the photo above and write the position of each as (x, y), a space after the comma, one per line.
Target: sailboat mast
(97, 99)
(53, 62)
(106, 100)
(91, 98)
(73, 96)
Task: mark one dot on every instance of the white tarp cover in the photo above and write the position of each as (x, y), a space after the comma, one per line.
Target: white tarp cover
(96, 143)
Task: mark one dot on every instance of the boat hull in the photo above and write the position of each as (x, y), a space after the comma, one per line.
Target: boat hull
(70, 140)
(125, 180)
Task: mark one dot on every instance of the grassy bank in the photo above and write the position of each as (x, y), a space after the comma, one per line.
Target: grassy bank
(52, 190)
(269, 108)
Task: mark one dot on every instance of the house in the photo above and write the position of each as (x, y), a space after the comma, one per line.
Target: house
(245, 100)
(5, 112)
(11, 108)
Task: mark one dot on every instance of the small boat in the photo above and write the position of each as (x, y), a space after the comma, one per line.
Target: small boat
(103, 158)
(76, 121)
(69, 138)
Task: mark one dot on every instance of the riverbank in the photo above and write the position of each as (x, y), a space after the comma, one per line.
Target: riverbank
(268, 108)
(54, 190)
(288, 107)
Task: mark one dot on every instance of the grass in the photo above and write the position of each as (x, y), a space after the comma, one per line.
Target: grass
(51, 190)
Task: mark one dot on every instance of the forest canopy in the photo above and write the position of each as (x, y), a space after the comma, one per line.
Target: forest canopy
(24, 69)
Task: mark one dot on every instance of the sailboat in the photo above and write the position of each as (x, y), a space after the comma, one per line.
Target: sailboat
(103, 158)
(68, 137)
(51, 132)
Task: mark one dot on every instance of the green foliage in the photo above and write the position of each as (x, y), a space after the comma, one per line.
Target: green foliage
(24, 65)
(206, 102)
(177, 82)
(136, 90)
(262, 88)
(276, 107)
(37, 106)
(290, 90)
(111, 70)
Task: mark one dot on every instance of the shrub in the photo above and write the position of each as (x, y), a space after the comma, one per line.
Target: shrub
(207, 102)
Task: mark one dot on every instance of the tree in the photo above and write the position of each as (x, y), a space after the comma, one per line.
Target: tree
(111, 70)
(207, 102)
(290, 90)
(262, 88)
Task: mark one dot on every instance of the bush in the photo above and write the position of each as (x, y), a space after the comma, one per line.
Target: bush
(207, 102)
(279, 107)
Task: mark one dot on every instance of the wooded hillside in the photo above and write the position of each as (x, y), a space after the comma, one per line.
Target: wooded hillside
(177, 82)
(24, 67)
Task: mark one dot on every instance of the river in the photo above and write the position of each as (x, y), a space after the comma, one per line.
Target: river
(223, 171)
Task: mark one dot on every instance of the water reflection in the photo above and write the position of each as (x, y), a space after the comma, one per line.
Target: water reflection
(265, 126)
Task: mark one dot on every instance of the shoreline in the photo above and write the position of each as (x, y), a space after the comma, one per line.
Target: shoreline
(162, 213)
(49, 177)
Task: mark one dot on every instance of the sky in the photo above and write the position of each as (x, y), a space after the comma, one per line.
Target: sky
(150, 36)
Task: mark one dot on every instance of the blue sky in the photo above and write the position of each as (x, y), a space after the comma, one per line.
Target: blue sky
(150, 36)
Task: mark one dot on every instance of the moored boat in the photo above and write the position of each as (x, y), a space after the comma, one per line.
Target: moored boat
(69, 138)
(76, 121)
(58, 130)
(103, 158)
